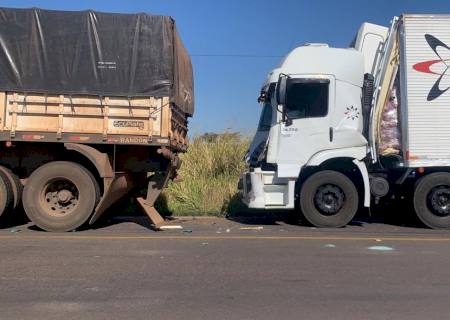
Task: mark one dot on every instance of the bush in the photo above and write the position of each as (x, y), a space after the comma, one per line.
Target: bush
(210, 171)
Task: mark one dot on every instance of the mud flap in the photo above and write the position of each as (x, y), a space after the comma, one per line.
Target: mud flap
(115, 188)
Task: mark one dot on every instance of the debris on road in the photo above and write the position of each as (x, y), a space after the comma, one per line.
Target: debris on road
(380, 248)
(252, 228)
(171, 227)
(187, 231)
(329, 245)
(15, 230)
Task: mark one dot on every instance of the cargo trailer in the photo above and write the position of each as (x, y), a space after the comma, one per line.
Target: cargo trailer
(92, 106)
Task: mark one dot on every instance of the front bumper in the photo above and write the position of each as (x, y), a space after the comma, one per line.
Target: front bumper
(264, 190)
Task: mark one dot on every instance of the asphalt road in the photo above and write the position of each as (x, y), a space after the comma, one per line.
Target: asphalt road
(214, 269)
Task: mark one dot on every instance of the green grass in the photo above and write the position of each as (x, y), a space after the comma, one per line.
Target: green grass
(210, 171)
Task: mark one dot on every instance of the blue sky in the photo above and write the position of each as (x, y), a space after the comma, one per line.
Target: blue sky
(235, 43)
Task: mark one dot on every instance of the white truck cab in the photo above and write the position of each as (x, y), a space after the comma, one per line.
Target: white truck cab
(317, 147)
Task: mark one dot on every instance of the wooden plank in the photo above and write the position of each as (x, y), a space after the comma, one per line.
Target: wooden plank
(165, 118)
(183, 137)
(60, 117)
(3, 110)
(105, 117)
(37, 124)
(157, 121)
(177, 135)
(156, 219)
(14, 115)
(135, 116)
(151, 110)
(86, 100)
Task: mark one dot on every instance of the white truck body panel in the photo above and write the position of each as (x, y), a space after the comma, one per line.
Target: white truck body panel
(292, 146)
(264, 189)
(321, 59)
(425, 41)
(369, 41)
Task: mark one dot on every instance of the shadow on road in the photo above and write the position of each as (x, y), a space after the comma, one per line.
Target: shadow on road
(395, 214)
(126, 211)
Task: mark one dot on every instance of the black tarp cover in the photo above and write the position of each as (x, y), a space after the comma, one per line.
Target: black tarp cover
(88, 52)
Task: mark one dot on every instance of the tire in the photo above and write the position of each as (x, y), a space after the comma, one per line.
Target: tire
(60, 196)
(6, 194)
(16, 185)
(328, 199)
(432, 200)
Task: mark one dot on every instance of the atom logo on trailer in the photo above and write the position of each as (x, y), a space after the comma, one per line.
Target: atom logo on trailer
(439, 67)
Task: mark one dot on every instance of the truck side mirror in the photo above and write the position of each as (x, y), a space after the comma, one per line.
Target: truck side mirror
(281, 89)
(281, 97)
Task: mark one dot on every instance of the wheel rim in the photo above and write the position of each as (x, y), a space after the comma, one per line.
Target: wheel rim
(329, 199)
(59, 197)
(439, 201)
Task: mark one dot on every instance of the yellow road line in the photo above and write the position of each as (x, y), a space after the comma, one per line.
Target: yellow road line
(191, 237)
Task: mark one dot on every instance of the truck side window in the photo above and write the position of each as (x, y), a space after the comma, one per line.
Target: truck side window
(266, 117)
(307, 99)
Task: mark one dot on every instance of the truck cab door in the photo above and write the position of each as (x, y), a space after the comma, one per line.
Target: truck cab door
(309, 110)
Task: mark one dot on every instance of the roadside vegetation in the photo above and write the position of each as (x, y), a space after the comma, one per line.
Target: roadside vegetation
(210, 173)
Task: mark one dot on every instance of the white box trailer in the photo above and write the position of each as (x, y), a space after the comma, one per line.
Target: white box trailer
(425, 80)
(357, 126)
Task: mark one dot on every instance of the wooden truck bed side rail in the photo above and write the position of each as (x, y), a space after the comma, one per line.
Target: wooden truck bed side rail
(93, 119)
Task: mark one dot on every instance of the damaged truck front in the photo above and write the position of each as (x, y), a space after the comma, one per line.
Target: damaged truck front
(92, 105)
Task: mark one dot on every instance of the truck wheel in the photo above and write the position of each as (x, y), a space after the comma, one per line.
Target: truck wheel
(60, 196)
(6, 194)
(432, 200)
(328, 199)
(16, 185)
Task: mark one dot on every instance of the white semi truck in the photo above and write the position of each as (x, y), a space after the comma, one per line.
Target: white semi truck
(343, 128)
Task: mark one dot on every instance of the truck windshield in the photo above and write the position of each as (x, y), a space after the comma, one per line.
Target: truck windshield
(266, 114)
(266, 117)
